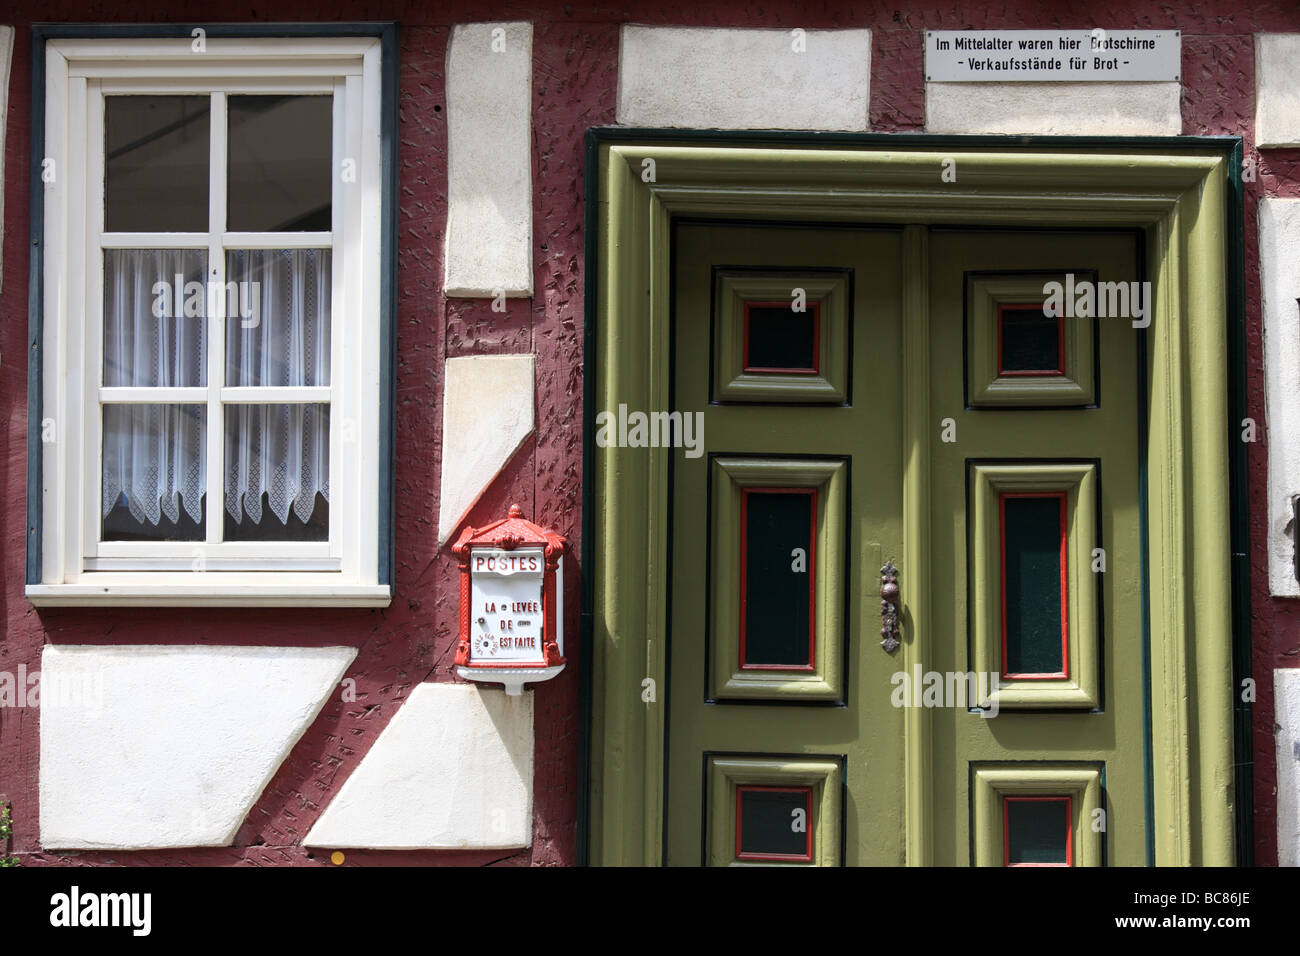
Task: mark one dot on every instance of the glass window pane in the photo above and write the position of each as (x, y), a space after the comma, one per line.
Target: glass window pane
(277, 472)
(154, 307)
(156, 163)
(1038, 830)
(778, 339)
(776, 627)
(1029, 342)
(1034, 584)
(277, 303)
(774, 823)
(281, 154)
(154, 472)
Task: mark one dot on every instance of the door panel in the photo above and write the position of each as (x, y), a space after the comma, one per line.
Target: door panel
(1034, 481)
(785, 714)
(790, 338)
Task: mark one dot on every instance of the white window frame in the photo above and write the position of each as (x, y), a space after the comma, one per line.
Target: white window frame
(76, 567)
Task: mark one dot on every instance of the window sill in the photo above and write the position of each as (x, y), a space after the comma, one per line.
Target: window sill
(166, 591)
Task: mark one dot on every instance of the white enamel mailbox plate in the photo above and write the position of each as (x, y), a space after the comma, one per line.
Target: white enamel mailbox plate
(506, 606)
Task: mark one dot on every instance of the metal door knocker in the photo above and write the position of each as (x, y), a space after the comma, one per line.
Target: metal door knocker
(889, 607)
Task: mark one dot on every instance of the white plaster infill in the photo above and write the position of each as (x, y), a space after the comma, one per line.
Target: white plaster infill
(453, 770)
(1286, 705)
(6, 58)
(1055, 109)
(1279, 266)
(181, 743)
(489, 242)
(1277, 95)
(487, 413)
(714, 78)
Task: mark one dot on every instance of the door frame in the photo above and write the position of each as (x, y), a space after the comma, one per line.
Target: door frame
(1185, 192)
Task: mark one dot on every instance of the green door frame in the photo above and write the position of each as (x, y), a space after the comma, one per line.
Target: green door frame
(1185, 192)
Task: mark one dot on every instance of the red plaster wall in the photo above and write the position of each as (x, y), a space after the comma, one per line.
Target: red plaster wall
(574, 83)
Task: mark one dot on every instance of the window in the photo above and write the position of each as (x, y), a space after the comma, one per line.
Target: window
(212, 423)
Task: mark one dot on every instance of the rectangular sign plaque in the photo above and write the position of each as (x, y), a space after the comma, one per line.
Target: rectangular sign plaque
(1036, 56)
(506, 605)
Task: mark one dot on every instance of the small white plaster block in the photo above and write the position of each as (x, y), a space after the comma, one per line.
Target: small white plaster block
(1277, 94)
(489, 244)
(1055, 109)
(1279, 266)
(487, 412)
(710, 78)
(146, 746)
(452, 770)
(1286, 705)
(6, 58)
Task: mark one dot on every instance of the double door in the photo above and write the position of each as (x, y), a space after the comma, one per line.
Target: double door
(804, 650)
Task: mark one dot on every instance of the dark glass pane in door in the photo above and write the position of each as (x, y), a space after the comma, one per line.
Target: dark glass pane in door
(1033, 585)
(1030, 342)
(1037, 830)
(774, 822)
(777, 582)
(778, 339)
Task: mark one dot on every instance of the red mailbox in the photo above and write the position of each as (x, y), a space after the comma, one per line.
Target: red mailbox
(511, 602)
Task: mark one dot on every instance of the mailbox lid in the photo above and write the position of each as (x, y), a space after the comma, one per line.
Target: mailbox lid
(511, 532)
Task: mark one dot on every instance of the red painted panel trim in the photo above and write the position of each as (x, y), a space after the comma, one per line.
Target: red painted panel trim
(812, 577)
(1065, 583)
(793, 370)
(1060, 344)
(807, 855)
(1069, 828)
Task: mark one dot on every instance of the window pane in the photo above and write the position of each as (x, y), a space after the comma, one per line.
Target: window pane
(1034, 595)
(154, 475)
(281, 153)
(278, 317)
(154, 306)
(778, 339)
(776, 594)
(774, 823)
(1038, 830)
(156, 158)
(277, 472)
(1029, 342)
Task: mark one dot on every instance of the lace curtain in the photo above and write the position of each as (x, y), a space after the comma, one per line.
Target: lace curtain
(282, 450)
(154, 455)
(277, 334)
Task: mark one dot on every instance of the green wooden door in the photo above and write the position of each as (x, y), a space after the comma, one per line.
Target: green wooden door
(786, 716)
(1036, 557)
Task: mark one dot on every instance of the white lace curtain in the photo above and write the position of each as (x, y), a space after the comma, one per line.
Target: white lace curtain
(277, 334)
(282, 450)
(154, 455)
